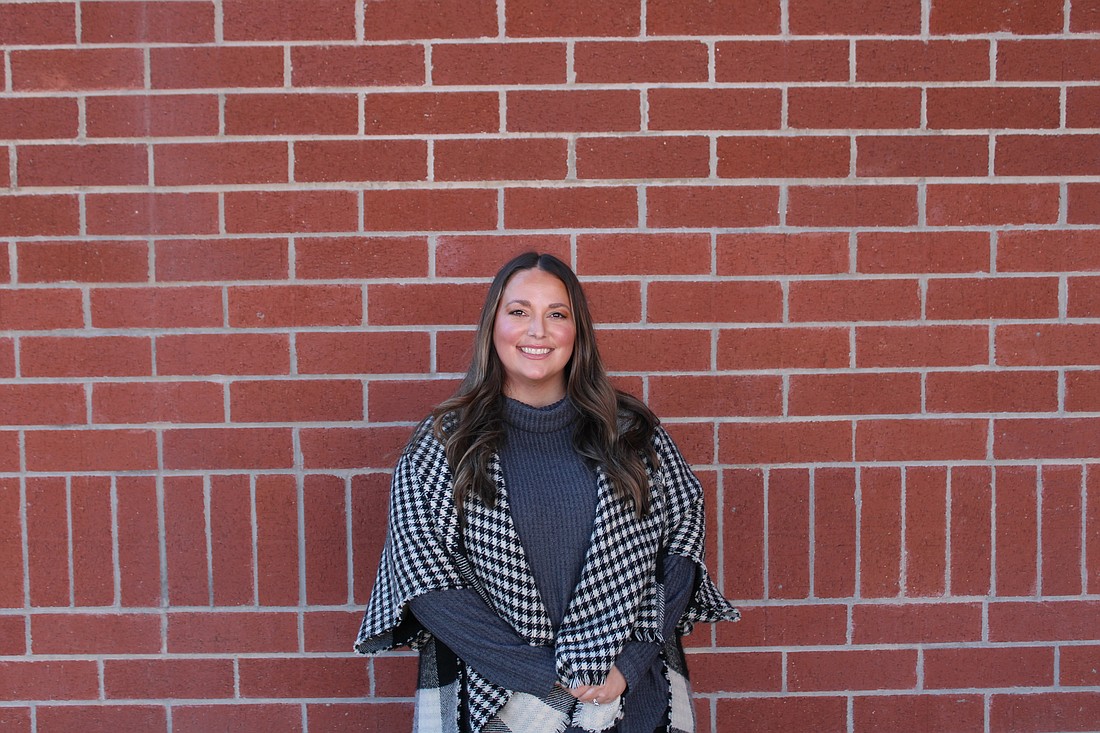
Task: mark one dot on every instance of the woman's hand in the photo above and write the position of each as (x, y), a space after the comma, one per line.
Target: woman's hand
(612, 687)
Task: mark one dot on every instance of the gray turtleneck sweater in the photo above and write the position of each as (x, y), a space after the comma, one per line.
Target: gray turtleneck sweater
(547, 482)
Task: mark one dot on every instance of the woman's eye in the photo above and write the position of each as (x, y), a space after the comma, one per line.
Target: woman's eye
(516, 313)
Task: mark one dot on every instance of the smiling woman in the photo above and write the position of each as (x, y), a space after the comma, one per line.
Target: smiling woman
(545, 546)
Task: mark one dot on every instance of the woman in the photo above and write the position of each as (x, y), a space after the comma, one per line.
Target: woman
(545, 541)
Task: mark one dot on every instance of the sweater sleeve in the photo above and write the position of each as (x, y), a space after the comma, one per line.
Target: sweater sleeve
(679, 581)
(462, 620)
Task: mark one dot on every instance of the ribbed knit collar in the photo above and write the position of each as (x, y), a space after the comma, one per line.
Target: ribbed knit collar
(547, 419)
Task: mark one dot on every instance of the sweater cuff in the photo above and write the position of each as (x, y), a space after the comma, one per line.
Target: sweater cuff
(635, 659)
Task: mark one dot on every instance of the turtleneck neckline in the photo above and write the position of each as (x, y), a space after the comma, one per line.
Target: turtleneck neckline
(548, 419)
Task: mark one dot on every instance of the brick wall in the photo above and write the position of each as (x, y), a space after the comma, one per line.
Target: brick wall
(847, 249)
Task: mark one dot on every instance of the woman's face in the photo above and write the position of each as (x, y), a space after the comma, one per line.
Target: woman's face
(533, 335)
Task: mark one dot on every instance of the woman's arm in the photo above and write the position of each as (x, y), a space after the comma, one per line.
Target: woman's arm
(462, 620)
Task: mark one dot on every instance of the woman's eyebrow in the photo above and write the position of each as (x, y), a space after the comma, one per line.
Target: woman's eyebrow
(527, 303)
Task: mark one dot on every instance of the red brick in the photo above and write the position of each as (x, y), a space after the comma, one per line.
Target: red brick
(358, 257)
(168, 115)
(7, 358)
(1030, 17)
(1083, 105)
(903, 713)
(1084, 16)
(578, 207)
(623, 62)
(701, 18)
(784, 713)
(37, 24)
(783, 157)
(788, 534)
(37, 118)
(658, 350)
(847, 206)
(296, 401)
(229, 353)
(1041, 155)
(180, 307)
(357, 66)
(47, 530)
(276, 540)
(138, 541)
(572, 18)
(101, 718)
(100, 356)
(918, 252)
(153, 679)
(220, 163)
(99, 261)
(713, 109)
(93, 564)
(42, 404)
(725, 301)
(1044, 621)
(1062, 542)
(1076, 59)
(5, 169)
(854, 107)
(49, 680)
(834, 533)
(39, 309)
(880, 533)
(715, 396)
(998, 667)
(329, 631)
(925, 558)
(955, 204)
(352, 717)
(430, 19)
(992, 298)
(936, 60)
(850, 17)
(326, 564)
(370, 496)
(1048, 344)
(406, 400)
(431, 113)
(1084, 297)
(452, 209)
(712, 206)
(643, 157)
(91, 450)
(248, 632)
(1084, 203)
(639, 254)
(852, 670)
(290, 211)
(784, 442)
(82, 165)
(1083, 391)
(773, 61)
(206, 718)
(1065, 438)
(854, 300)
(999, 391)
(77, 69)
(13, 637)
(303, 677)
(278, 20)
(506, 159)
(147, 22)
(1092, 530)
(854, 394)
(9, 451)
(231, 559)
(741, 672)
(360, 160)
(992, 107)
(158, 213)
(353, 447)
(922, 156)
(925, 623)
(584, 110)
(920, 440)
(783, 348)
(1078, 665)
(922, 346)
(394, 304)
(291, 114)
(31, 216)
(187, 561)
(222, 259)
(477, 255)
(1016, 531)
(227, 448)
(11, 552)
(498, 63)
(743, 508)
(780, 625)
(615, 302)
(971, 530)
(82, 633)
(216, 67)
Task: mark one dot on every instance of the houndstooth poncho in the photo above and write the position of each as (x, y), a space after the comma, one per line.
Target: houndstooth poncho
(618, 597)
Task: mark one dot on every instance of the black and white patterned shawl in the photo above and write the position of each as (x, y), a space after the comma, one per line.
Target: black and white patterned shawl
(618, 597)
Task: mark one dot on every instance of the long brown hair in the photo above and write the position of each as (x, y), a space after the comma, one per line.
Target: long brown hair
(614, 429)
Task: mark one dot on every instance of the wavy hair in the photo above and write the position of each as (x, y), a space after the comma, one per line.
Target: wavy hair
(614, 429)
